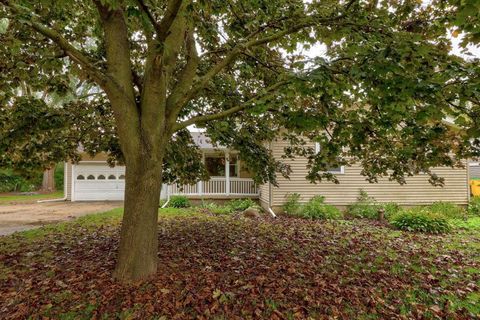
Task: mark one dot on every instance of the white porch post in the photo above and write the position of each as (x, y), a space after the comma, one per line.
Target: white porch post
(227, 173)
(200, 183)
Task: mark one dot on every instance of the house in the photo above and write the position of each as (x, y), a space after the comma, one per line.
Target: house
(93, 179)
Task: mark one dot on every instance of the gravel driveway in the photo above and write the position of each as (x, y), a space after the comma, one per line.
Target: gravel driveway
(18, 217)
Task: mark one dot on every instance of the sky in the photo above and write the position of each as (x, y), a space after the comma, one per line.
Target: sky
(470, 52)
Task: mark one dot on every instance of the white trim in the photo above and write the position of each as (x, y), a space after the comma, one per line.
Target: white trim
(93, 161)
(72, 189)
(227, 172)
(342, 168)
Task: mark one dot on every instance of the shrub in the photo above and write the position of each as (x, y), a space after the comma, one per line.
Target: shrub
(391, 209)
(474, 206)
(11, 182)
(421, 219)
(214, 208)
(292, 205)
(447, 209)
(317, 209)
(240, 204)
(179, 202)
(58, 176)
(365, 207)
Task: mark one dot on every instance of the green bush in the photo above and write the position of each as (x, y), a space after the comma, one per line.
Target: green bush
(447, 209)
(214, 208)
(474, 206)
(365, 207)
(292, 205)
(11, 182)
(391, 209)
(317, 209)
(179, 202)
(240, 204)
(421, 219)
(58, 176)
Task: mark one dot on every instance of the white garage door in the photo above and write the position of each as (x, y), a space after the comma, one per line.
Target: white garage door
(98, 182)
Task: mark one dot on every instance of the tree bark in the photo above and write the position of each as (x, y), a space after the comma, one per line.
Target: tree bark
(138, 250)
(48, 180)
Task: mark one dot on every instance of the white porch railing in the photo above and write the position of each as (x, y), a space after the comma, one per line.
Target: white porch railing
(217, 186)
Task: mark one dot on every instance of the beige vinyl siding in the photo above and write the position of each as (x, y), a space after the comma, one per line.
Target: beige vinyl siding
(264, 195)
(244, 172)
(417, 190)
(474, 171)
(264, 189)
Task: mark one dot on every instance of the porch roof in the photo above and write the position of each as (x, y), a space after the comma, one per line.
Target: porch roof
(204, 142)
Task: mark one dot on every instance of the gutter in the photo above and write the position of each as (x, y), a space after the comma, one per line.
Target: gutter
(64, 188)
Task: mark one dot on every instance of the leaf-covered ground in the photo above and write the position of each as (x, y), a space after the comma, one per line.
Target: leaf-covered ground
(228, 268)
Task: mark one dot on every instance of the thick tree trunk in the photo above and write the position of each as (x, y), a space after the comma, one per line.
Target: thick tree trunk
(48, 181)
(137, 255)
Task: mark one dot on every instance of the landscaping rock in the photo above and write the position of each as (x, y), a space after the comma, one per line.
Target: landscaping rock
(251, 213)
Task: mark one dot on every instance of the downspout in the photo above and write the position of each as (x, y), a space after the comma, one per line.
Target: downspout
(168, 198)
(270, 210)
(64, 187)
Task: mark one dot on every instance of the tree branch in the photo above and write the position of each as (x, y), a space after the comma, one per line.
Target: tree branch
(241, 47)
(76, 55)
(119, 66)
(170, 14)
(163, 27)
(187, 75)
(146, 11)
(226, 113)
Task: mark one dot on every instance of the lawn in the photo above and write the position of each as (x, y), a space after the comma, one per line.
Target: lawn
(222, 267)
(9, 198)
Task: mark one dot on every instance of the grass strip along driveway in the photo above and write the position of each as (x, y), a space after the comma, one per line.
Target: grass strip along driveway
(222, 267)
(12, 198)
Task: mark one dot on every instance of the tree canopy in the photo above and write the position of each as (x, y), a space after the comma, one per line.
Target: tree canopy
(382, 87)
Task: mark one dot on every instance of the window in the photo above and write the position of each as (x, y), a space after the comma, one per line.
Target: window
(334, 170)
(90, 177)
(101, 177)
(234, 166)
(111, 177)
(80, 177)
(122, 177)
(215, 165)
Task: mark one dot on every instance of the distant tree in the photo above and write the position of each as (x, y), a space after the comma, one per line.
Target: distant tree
(130, 76)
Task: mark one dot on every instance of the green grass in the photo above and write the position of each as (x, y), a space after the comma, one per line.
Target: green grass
(91, 221)
(469, 224)
(9, 198)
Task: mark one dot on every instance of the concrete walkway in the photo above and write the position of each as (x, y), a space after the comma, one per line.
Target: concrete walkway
(19, 217)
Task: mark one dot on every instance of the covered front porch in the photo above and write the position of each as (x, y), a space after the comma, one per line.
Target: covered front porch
(229, 178)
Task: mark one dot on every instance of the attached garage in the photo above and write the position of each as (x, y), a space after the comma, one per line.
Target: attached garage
(97, 181)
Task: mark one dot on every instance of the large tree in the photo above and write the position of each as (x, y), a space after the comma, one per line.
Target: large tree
(130, 76)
